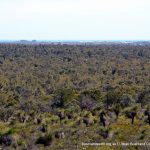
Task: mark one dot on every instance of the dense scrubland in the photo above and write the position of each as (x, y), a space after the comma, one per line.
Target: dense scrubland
(60, 96)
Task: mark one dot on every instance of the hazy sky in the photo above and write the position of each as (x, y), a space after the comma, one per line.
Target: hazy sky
(75, 19)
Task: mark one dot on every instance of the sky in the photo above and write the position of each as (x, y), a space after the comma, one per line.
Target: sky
(74, 19)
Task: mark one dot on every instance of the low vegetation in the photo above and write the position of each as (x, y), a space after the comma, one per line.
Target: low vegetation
(60, 96)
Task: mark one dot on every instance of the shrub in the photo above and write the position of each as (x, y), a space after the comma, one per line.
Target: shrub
(45, 140)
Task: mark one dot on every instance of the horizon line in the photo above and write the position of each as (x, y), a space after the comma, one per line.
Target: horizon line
(78, 40)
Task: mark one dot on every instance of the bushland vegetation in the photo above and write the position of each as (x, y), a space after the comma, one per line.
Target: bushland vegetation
(60, 96)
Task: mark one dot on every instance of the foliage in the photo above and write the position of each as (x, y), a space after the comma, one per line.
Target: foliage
(53, 96)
